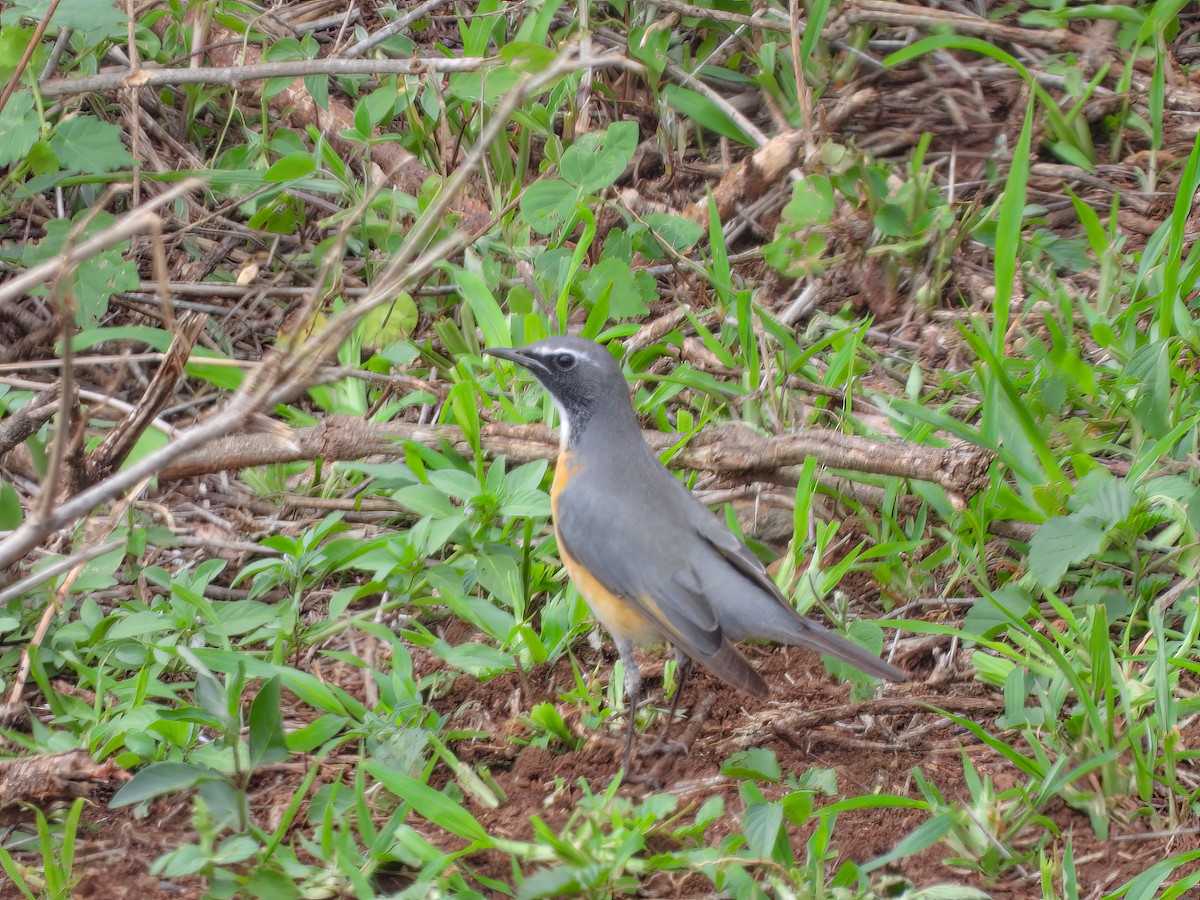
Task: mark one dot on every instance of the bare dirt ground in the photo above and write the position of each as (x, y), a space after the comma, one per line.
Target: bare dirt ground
(863, 751)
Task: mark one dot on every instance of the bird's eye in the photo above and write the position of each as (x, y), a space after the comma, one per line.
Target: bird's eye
(565, 361)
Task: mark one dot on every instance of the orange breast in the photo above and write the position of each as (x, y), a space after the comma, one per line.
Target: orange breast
(620, 618)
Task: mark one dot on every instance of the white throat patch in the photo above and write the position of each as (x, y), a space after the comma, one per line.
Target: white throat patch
(564, 425)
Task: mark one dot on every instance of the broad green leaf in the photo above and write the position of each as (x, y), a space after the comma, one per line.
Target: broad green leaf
(156, 338)
(90, 146)
(526, 56)
(386, 325)
(546, 205)
(13, 42)
(267, 743)
(597, 159)
(483, 304)
(148, 441)
(1061, 542)
(679, 233)
(705, 113)
(757, 764)
(424, 500)
(988, 613)
(630, 290)
(11, 512)
(865, 633)
(159, 779)
(93, 21)
(95, 279)
(762, 824)
(20, 128)
(294, 165)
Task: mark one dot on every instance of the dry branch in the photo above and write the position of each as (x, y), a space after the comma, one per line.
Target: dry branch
(730, 450)
(234, 75)
(785, 723)
(118, 443)
(756, 174)
(905, 15)
(44, 781)
(28, 419)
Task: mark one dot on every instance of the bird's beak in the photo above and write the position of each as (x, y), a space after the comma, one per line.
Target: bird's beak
(515, 356)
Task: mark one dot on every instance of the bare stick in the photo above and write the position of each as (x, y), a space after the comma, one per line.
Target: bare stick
(730, 450)
(231, 75)
(391, 28)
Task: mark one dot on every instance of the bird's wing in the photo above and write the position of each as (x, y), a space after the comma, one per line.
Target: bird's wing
(793, 628)
(713, 530)
(659, 584)
(627, 559)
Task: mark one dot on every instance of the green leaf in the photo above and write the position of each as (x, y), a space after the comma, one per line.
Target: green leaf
(993, 612)
(386, 325)
(1009, 220)
(474, 659)
(294, 165)
(11, 513)
(429, 803)
(526, 56)
(892, 221)
(87, 145)
(704, 112)
(267, 743)
(13, 42)
(159, 779)
(865, 633)
(597, 159)
(487, 311)
(41, 159)
(92, 20)
(95, 279)
(630, 290)
(757, 763)
(546, 205)
(20, 128)
(922, 837)
(156, 338)
(1061, 542)
(424, 500)
(762, 824)
(1111, 504)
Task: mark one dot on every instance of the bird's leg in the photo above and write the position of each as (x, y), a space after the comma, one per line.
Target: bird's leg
(633, 696)
(683, 668)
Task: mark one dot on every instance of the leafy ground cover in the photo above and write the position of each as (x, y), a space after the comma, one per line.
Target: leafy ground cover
(282, 613)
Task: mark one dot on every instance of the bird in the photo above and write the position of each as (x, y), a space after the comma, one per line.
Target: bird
(651, 561)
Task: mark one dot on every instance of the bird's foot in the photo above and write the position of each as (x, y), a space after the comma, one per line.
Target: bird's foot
(648, 780)
(663, 747)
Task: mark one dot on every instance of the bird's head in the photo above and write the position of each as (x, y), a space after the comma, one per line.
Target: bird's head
(580, 375)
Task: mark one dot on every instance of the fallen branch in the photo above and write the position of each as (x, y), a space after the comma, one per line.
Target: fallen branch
(730, 450)
(231, 75)
(46, 781)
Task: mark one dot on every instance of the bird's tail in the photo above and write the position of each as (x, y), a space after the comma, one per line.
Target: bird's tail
(821, 639)
(730, 666)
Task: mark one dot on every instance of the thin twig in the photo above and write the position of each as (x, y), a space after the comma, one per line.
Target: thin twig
(232, 75)
(368, 43)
